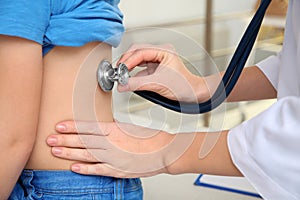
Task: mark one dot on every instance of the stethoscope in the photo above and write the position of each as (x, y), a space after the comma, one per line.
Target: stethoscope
(107, 75)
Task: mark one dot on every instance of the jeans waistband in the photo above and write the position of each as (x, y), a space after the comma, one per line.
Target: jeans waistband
(52, 180)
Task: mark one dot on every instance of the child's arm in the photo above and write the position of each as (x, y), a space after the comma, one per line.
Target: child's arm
(20, 89)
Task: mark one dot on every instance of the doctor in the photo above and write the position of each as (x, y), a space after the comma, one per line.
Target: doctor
(264, 149)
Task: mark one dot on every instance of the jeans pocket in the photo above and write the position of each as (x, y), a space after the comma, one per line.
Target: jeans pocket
(134, 194)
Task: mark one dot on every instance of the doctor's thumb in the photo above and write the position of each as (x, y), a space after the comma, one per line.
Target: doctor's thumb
(135, 84)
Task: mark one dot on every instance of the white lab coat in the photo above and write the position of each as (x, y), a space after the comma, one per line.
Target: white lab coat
(266, 149)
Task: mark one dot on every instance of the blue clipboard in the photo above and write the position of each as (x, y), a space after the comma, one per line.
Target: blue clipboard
(215, 183)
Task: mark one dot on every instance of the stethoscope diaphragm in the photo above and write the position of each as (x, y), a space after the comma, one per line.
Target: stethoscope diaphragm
(107, 75)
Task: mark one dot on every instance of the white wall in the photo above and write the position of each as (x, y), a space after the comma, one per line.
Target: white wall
(149, 12)
(226, 33)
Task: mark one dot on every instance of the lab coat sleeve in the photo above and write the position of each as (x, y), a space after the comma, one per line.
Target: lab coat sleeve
(270, 67)
(266, 149)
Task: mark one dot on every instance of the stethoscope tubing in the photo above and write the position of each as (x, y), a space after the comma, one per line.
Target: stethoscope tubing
(229, 78)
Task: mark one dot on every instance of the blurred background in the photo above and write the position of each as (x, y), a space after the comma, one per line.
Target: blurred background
(205, 33)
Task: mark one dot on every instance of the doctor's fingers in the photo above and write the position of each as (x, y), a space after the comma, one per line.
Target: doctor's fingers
(140, 57)
(83, 155)
(150, 68)
(140, 83)
(136, 47)
(104, 169)
(130, 51)
(78, 141)
(154, 54)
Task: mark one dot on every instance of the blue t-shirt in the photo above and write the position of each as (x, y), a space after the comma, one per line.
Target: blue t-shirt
(62, 22)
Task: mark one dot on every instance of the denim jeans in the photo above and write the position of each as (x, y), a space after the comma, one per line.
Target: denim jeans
(65, 185)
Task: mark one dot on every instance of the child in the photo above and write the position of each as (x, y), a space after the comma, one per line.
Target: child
(43, 46)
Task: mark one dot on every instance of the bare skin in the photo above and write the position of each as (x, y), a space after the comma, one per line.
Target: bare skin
(62, 67)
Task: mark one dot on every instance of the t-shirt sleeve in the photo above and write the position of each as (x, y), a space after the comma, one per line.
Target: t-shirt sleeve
(270, 67)
(266, 150)
(24, 18)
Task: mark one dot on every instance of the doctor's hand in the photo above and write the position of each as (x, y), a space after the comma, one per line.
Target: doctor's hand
(117, 149)
(164, 73)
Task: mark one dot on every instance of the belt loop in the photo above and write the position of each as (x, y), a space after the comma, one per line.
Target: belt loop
(119, 189)
(26, 177)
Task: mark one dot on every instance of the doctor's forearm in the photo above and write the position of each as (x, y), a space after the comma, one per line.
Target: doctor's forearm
(252, 85)
(205, 156)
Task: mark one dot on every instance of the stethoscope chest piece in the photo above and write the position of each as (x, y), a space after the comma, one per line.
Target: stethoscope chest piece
(107, 75)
